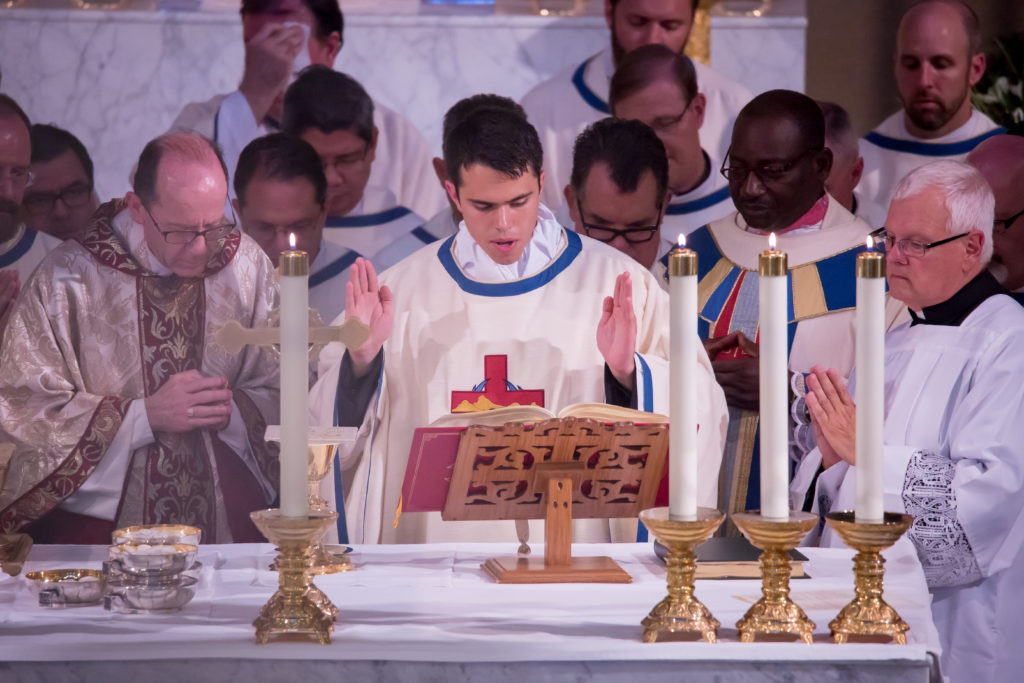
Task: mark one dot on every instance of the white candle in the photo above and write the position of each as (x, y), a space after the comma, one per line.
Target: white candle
(870, 384)
(682, 270)
(774, 385)
(294, 321)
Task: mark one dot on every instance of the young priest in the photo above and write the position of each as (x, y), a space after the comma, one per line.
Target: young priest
(560, 318)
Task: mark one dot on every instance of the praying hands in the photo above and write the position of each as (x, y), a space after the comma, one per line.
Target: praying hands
(833, 416)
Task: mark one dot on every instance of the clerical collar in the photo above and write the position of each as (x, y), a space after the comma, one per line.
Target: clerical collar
(544, 247)
(703, 177)
(809, 222)
(134, 237)
(953, 310)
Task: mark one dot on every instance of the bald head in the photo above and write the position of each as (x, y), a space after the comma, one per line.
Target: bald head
(1000, 159)
(927, 10)
(164, 156)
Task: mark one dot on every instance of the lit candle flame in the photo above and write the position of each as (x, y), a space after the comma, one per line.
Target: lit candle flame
(869, 242)
(291, 240)
(771, 241)
(681, 241)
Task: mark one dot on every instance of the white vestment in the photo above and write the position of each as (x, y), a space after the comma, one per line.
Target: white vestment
(562, 106)
(891, 152)
(954, 425)
(705, 203)
(24, 250)
(402, 163)
(544, 325)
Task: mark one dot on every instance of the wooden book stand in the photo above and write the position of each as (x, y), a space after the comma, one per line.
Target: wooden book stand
(555, 470)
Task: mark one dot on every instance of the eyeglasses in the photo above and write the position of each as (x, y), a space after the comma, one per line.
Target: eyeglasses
(766, 172)
(18, 177)
(664, 124)
(1001, 225)
(345, 162)
(913, 247)
(213, 233)
(605, 234)
(74, 195)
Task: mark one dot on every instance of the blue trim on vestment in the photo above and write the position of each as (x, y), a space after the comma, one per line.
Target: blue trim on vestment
(572, 249)
(645, 370)
(693, 206)
(19, 249)
(333, 269)
(367, 219)
(588, 95)
(930, 149)
(423, 236)
(708, 253)
(339, 492)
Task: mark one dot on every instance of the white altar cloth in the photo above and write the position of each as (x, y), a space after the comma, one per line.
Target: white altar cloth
(432, 603)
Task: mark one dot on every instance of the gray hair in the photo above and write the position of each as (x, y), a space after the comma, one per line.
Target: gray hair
(968, 197)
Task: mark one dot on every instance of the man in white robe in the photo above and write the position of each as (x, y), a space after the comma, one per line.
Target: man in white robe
(333, 113)
(847, 163)
(512, 286)
(657, 86)
(281, 37)
(564, 105)
(776, 171)
(954, 420)
(122, 408)
(938, 58)
(1000, 160)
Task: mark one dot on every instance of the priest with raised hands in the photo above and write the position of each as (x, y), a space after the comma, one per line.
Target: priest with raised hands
(954, 419)
(540, 314)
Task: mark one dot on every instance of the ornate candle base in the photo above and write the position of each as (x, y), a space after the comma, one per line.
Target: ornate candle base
(681, 612)
(868, 614)
(775, 612)
(298, 607)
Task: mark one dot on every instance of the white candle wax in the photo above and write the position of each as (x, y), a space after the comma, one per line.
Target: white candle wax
(682, 503)
(870, 386)
(774, 384)
(294, 321)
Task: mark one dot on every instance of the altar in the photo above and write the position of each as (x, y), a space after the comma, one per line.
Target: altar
(430, 613)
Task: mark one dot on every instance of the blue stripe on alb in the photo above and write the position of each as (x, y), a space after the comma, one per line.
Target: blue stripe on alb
(423, 235)
(572, 249)
(19, 249)
(930, 149)
(368, 219)
(645, 372)
(339, 492)
(695, 205)
(333, 269)
(588, 95)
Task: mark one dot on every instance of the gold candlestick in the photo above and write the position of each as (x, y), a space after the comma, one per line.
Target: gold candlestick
(868, 614)
(775, 612)
(298, 607)
(680, 611)
(320, 457)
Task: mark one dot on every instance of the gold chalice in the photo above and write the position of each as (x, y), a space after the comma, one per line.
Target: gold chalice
(321, 454)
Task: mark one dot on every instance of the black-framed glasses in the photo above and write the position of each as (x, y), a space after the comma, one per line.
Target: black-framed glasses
(1001, 225)
(913, 247)
(73, 196)
(211, 234)
(767, 171)
(344, 162)
(602, 233)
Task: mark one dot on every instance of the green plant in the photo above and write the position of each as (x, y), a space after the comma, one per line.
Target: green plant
(1000, 92)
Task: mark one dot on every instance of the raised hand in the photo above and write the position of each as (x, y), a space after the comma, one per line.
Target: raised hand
(833, 416)
(188, 400)
(616, 332)
(269, 56)
(373, 305)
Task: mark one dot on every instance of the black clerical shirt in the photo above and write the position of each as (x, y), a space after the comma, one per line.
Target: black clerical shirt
(956, 308)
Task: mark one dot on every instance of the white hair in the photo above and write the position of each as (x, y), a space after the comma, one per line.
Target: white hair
(968, 197)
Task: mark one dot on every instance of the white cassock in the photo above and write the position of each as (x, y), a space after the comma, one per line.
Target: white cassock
(24, 250)
(540, 316)
(705, 203)
(562, 106)
(891, 152)
(402, 162)
(954, 429)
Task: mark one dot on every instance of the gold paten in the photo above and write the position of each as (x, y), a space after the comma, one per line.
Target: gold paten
(868, 615)
(775, 613)
(680, 611)
(298, 607)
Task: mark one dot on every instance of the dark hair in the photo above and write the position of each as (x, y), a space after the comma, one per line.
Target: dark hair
(9, 106)
(329, 101)
(327, 15)
(793, 106)
(187, 146)
(693, 6)
(280, 156)
(496, 138)
(649, 64)
(628, 148)
(49, 142)
(468, 105)
(968, 17)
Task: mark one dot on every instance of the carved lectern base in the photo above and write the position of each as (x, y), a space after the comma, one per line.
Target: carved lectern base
(534, 570)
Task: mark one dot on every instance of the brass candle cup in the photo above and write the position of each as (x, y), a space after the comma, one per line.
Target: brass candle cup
(775, 613)
(868, 615)
(680, 611)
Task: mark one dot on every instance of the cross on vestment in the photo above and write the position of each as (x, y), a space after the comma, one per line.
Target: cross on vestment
(495, 388)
